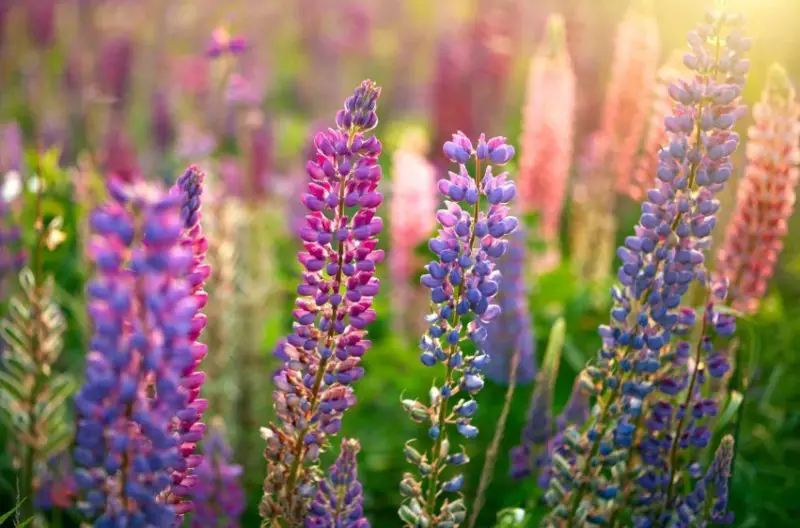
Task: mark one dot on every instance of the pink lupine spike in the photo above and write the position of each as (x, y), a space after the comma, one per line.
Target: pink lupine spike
(636, 53)
(766, 194)
(655, 136)
(548, 120)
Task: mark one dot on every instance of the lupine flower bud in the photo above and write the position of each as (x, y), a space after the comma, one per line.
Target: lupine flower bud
(187, 427)
(217, 493)
(412, 212)
(463, 283)
(766, 194)
(333, 307)
(513, 329)
(547, 131)
(648, 374)
(339, 499)
(633, 71)
(142, 310)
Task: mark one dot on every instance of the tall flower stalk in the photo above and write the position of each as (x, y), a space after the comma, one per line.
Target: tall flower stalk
(142, 309)
(463, 283)
(766, 195)
(333, 307)
(642, 367)
(547, 134)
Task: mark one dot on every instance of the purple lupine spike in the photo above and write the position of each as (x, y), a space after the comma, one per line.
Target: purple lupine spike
(333, 307)
(188, 427)
(114, 67)
(339, 500)
(463, 282)
(40, 18)
(514, 327)
(162, 123)
(142, 310)
(707, 503)
(12, 256)
(642, 378)
(217, 495)
(11, 148)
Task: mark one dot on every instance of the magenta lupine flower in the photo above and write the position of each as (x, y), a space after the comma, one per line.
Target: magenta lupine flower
(633, 71)
(412, 211)
(547, 131)
(463, 283)
(162, 122)
(188, 427)
(655, 135)
(223, 43)
(339, 500)
(114, 68)
(333, 307)
(217, 493)
(40, 18)
(119, 158)
(142, 310)
(766, 195)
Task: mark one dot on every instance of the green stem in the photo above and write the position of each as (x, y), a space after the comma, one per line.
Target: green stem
(436, 460)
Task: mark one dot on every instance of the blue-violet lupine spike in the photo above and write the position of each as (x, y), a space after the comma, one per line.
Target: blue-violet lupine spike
(12, 256)
(339, 501)
(514, 326)
(187, 425)
(463, 283)
(142, 309)
(217, 495)
(707, 503)
(333, 306)
(659, 263)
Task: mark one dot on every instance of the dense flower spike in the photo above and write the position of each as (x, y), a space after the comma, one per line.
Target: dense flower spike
(707, 503)
(592, 222)
(142, 311)
(641, 372)
(412, 211)
(463, 284)
(333, 307)
(339, 500)
(655, 135)
(188, 427)
(217, 493)
(766, 195)
(633, 71)
(547, 131)
(514, 326)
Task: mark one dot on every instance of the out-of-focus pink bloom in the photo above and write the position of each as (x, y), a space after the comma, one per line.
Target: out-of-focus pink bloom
(40, 18)
(655, 138)
(194, 143)
(10, 147)
(119, 156)
(260, 161)
(114, 68)
(412, 212)
(162, 124)
(190, 74)
(547, 132)
(766, 194)
(627, 102)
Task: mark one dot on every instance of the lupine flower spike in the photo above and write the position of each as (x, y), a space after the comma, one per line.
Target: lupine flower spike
(333, 307)
(547, 135)
(633, 72)
(188, 427)
(643, 378)
(217, 494)
(142, 310)
(463, 283)
(12, 257)
(766, 195)
(339, 500)
(513, 329)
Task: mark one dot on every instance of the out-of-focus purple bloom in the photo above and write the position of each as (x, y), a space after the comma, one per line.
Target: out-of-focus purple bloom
(114, 68)
(339, 500)
(10, 148)
(12, 256)
(194, 143)
(119, 158)
(40, 18)
(142, 311)
(56, 487)
(260, 162)
(463, 283)
(223, 43)
(514, 327)
(188, 428)
(162, 122)
(217, 494)
(333, 307)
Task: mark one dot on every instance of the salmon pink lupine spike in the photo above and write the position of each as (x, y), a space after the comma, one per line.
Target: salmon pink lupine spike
(766, 195)
(323, 353)
(547, 131)
(627, 103)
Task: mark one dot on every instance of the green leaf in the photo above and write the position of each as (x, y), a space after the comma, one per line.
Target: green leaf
(6, 516)
(552, 356)
(511, 518)
(12, 387)
(61, 388)
(734, 401)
